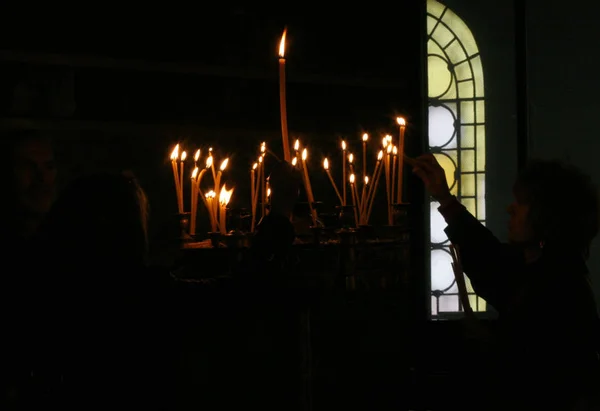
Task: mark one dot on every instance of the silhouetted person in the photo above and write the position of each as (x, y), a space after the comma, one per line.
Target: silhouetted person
(29, 182)
(539, 284)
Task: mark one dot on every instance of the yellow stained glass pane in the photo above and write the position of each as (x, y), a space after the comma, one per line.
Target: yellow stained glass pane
(467, 160)
(461, 31)
(470, 205)
(435, 8)
(482, 305)
(478, 75)
(465, 89)
(442, 35)
(434, 48)
(467, 112)
(449, 168)
(456, 54)
(480, 111)
(467, 136)
(480, 131)
(473, 301)
(480, 196)
(467, 184)
(439, 77)
(431, 22)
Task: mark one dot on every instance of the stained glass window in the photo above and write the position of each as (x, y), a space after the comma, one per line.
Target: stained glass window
(457, 139)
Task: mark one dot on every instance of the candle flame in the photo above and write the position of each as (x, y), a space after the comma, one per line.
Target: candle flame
(384, 142)
(211, 194)
(366, 179)
(260, 159)
(282, 44)
(389, 148)
(175, 153)
(326, 164)
(389, 138)
(352, 178)
(268, 192)
(294, 161)
(254, 166)
(209, 161)
(224, 164)
(401, 122)
(304, 154)
(297, 145)
(197, 155)
(343, 145)
(365, 137)
(395, 150)
(263, 147)
(183, 156)
(350, 158)
(380, 155)
(194, 173)
(225, 196)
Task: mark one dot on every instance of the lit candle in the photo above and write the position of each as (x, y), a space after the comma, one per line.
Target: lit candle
(365, 138)
(344, 172)
(363, 198)
(196, 157)
(395, 157)
(253, 195)
(296, 150)
(295, 161)
(388, 182)
(263, 180)
(174, 156)
(353, 195)
(282, 99)
(193, 201)
(212, 164)
(337, 192)
(210, 199)
(402, 123)
(308, 187)
(351, 162)
(259, 180)
(224, 198)
(183, 157)
(373, 187)
(218, 181)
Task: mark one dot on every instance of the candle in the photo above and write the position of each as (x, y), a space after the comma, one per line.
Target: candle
(259, 180)
(224, 197)
(210, 199)
(351, 162)
(218, 181)
(353, 195)
(402, 123)
(295, 161)
(363, 198)
(193, 201)
(183, 157)
(174, 156)
(365, 138)
(394, 157)
(308, 187)
(253, 191)
(337, 192)
(344, 172)
(196, 157)
(388, 183)
(373, 187)
(296, 150)
(282, 99)
(212, 164)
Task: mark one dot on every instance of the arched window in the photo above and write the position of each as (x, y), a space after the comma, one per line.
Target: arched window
(456, 137)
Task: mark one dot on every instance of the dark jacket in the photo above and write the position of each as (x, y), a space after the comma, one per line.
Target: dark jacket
(548, 323)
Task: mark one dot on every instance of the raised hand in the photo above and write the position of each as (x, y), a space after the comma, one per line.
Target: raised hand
(427, 168)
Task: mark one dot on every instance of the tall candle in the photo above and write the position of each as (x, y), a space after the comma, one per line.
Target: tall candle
(363, 198)
(365, 138)
(224, 197)
(183, 157)
(282, 99)
(193, 201)
(371, 188)
(402, 124)
(308, 187)
(344, 172)
(253, 195)
(296, 150)
(210, 199)
(196, 157)
(337, 192)
(394, 159)
(374, 189)
(218, 181)
(174, 156)
(353, 195)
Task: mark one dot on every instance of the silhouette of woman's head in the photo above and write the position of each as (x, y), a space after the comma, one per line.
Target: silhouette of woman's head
(562, 204)
(102, 218)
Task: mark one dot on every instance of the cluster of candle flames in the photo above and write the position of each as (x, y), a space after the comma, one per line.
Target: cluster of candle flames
(390, 162)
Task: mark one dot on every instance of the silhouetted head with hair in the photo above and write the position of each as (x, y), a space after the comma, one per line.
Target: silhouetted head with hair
(100, 220)
(556, 206)
(30, 177)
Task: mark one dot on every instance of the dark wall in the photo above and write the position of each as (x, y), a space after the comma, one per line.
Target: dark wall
(563, 87)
